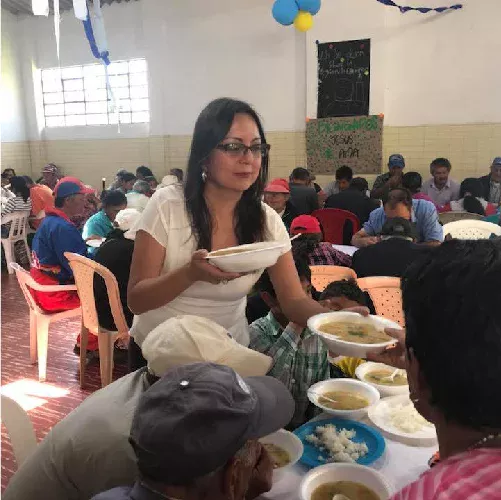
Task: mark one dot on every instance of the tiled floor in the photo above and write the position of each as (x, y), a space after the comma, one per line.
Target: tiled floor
(47, 402)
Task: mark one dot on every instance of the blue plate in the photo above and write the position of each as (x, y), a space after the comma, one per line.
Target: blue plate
(373, 439)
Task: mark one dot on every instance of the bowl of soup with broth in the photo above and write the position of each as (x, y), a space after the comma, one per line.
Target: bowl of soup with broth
(350, 334)
(381, 377)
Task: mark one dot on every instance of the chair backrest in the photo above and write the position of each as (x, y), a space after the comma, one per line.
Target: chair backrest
(321, 276)
(20, 429)
(18, 223)
(83, 271)
(333, 221)
(26, 282)
(471, 229)
(446, 217)
(386, 296)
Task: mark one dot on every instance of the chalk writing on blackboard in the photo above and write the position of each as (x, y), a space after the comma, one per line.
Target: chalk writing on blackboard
(343, 78)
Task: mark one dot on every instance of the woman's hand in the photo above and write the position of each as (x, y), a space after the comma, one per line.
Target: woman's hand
(200, 269)
(394, 355)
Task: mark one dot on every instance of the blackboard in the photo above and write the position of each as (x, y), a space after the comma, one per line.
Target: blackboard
(355, 141)
(344, 75)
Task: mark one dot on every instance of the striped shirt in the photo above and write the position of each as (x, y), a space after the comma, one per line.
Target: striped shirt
(472, 475)
(326, 255)
(15, 204)
(299, 360)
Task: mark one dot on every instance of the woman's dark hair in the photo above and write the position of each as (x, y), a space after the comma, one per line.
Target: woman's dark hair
(453, 326)
(412, 181)
(301, 174)
(113, 198)
(344, 173)
(304, 245)
(28, 179)
(344, 288)
(178, 173)
(396, 196)
(126, 177)
(11, 170)
(211, 128)
(19, 187)
(359, 184)
(470, 190)
(144, 171)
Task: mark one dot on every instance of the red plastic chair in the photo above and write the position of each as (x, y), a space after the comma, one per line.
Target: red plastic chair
(333, 221)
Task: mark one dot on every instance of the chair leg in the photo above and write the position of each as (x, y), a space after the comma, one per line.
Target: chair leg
(42, 346)
(28, 251)
(84, 338)
(105, 341)
(33, 337)
(8, 248)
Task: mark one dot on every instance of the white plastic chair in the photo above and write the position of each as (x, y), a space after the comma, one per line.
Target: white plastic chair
(471, 229)
(20, 429)
(39, 319)
(18, 230)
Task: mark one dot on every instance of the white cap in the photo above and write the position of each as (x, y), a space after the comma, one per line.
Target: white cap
(191, 339)
(126, 219)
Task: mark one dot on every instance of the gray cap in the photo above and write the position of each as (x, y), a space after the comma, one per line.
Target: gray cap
(197, 416)
(496, 162)
(396, 161)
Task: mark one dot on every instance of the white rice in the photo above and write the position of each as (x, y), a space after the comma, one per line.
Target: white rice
(406, 418)
(338, 444)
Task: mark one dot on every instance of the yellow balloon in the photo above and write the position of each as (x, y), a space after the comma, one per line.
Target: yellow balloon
(303, 21)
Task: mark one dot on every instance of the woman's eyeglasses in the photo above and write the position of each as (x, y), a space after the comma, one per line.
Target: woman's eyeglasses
(239, 149)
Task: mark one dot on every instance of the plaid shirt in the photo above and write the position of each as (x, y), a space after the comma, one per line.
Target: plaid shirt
(326, 255)
(299, 360)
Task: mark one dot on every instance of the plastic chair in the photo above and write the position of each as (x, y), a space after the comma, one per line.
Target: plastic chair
(20, 429)
(471, 229)
(17, 232)
(333, 221)
(446, 217)
(321, 276)
(83, 271)
(386, 296)
(39, 319)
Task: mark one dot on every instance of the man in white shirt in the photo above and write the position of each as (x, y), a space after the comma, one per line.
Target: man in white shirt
(139, 196)
(441, 188)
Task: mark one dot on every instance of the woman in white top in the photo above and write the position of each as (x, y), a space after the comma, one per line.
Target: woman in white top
(219, 207)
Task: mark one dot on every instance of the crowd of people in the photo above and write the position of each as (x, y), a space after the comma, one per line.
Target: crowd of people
(218, 359)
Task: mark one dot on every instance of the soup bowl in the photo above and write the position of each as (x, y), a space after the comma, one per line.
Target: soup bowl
(332, 473)
(247, 258)
(346, 385)
(385, 390)
(343, 347)
(288, 442)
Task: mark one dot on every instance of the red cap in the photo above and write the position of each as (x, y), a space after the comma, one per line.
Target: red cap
(277, 186)
(65, 183)
(305, 224)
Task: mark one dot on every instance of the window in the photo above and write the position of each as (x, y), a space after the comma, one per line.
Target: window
(77, 95)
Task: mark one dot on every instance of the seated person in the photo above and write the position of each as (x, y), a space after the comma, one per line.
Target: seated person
(452, 355)
(140, 195)
(9, 173)
(88, 451)
(177, 172)
(224, 417)
(50, 176)
(391, 179)
(441, 188)
(393, 254)
(310, 247)
(116, 254)
(6, 192)
(471, 200)
(413, 182)
(399, 203)
(354, 199)
(299, 356)
(142, 172)
(100, 225)
(20, 202)
(92, 205)
(123, 181)
(318, 189)
(41, 200)
(302, 196)
(491, 183)
(344, 175)
(152, 181)
(276, 195)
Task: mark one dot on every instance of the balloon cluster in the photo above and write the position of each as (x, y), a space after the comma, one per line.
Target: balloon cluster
(299, 12)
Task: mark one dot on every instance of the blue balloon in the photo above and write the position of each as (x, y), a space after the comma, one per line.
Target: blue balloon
(311, 6)
(285, 11)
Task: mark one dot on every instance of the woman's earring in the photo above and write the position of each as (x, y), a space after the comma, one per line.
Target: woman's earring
(204, 176)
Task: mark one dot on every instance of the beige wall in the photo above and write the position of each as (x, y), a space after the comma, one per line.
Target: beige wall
(469, 147)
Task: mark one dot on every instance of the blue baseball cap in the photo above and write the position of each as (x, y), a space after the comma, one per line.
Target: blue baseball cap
(396, 161)
(496, 162)
(68, 186)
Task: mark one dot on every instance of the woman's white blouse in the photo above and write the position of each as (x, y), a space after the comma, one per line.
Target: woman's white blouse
(165, 219)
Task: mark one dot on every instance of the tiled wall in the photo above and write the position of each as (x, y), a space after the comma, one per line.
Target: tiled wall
(469, 147)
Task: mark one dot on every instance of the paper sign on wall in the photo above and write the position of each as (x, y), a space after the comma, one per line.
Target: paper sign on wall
(354, 141)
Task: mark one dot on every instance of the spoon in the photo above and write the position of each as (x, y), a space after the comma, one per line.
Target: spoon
(340, 496)
(297, 236)
(392, 376)
(318, 395)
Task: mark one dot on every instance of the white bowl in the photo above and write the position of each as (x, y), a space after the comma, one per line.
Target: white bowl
(341, 347)
(290, 443)
(384, 390)
(332, 473)
(248, 257)
(347, 385)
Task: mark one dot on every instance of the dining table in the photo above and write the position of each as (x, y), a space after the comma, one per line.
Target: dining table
(348, 249)
(400, 464)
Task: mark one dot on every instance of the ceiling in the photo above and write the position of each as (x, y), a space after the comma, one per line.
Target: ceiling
(24, 6)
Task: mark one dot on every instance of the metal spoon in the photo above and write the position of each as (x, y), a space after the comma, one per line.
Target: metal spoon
(297, 236)
(392, 376)
(340, 496)
(318, 395)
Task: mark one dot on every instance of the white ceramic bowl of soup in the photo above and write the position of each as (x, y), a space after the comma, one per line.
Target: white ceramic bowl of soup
(380, 369)
(333, 473)
(247, 258)
(364, 393)
(350, 319)
(288, 442)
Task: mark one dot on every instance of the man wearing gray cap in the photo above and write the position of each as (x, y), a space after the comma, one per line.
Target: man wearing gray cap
(391, 179)
(492, 183)
(195, 435)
